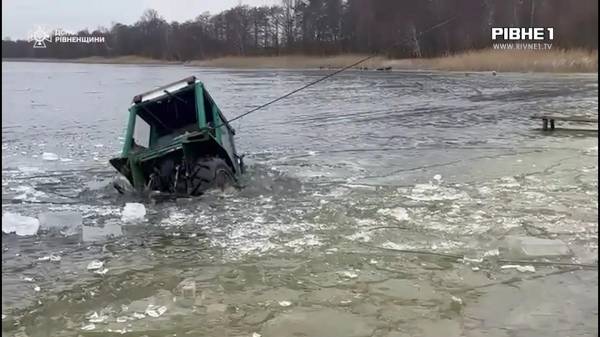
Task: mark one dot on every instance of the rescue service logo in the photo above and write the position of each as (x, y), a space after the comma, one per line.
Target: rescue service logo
(521, 38)
(41, 36)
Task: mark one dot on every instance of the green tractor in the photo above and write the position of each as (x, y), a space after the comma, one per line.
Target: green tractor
(178, 142)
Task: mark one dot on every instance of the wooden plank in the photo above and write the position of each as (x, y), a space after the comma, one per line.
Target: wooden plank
(579, 119)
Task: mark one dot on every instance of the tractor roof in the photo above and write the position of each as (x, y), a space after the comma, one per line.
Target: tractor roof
(165, 90)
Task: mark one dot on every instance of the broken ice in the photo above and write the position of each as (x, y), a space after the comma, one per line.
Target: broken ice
(95, 318)
(93, 233)
(19, 224)
(399, 213)
(155, 311)
(348, 274)
(138, 315)
(520, 268)
(89, 327)
(101, 271)
(49, 156)
(531, 247)
(133, 211)
(95, 265)
(69, 222)
(52, 258)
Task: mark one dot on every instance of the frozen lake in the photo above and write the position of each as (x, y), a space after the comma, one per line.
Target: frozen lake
(346, 180)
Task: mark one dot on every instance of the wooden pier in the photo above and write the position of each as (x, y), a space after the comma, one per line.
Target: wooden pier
(549, 121)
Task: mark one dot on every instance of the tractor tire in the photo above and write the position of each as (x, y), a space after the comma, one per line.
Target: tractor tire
(208, 173)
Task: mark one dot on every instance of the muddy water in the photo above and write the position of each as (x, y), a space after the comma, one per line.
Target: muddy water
(346, 181)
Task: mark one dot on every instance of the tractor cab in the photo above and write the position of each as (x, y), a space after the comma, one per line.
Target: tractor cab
(171, 130)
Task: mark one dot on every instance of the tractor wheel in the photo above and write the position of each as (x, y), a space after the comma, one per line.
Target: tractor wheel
(210, 173)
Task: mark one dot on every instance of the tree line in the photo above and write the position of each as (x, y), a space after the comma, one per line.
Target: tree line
(396, 28)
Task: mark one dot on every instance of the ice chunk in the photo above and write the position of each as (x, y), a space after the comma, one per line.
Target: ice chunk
(70, 222)
(526, 247)
(520, 268)
(95, 265)
(49, 156)
(358, 236)
(101, 271)
(133, 211)
(472, 260)
(456, 303)
(93, 233)
(285, 303)
(399, 213)
(19, 224)
(437, 177)
(89, 327)
(161, 310)
(52, 258)
(348, 274)
(456, 299)
(155, 311)
(28, 193)
(122, 319)
(493, 252)
(95, 318)
(396, 246)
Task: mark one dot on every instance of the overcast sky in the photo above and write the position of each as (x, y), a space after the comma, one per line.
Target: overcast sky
(21, 17)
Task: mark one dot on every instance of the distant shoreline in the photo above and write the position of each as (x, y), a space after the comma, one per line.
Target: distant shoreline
(556, 61)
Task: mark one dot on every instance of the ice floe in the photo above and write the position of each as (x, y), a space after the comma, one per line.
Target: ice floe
(19, 224)
(68, 222)
(155, 311)
(349, 274)
(88, 327)
(531, 247)
(95, 265)
(133, 212)
(398, 213)
(51, 258)
(49, 156)
(28, 193)
(523, 269)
